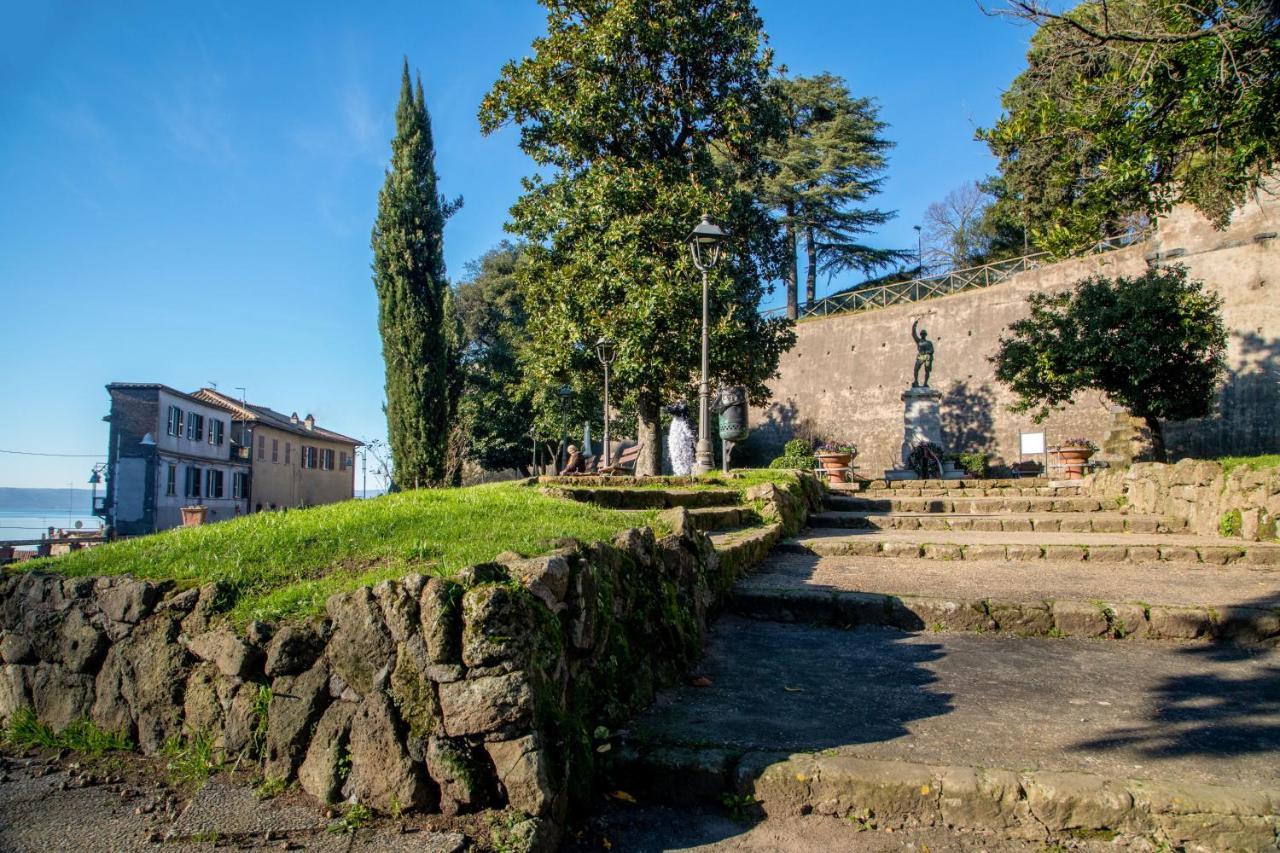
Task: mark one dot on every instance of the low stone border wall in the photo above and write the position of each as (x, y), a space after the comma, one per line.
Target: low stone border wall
(499, 687)
(1240, 625)
(1244, 504)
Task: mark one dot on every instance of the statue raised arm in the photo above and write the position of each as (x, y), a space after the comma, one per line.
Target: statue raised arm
(924, 355)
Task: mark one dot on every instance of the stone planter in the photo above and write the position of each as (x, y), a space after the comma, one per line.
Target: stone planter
(835, 466)
(193, 516)
(1074, 459)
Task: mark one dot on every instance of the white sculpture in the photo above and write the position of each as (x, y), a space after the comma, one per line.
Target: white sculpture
(680, 440)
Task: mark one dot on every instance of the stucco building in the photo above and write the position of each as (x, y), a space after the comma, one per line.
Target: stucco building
(167, 450)
(294, 462)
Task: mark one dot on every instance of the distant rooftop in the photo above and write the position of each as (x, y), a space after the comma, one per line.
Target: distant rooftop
(246, 411)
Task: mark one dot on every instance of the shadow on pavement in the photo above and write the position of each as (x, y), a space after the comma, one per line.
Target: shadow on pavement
(1214, 712)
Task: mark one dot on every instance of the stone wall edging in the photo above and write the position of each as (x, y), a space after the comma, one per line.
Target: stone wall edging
(1242, 504)
(499, 687)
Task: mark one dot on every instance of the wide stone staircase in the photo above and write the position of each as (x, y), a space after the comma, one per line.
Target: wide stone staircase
(1013, 661)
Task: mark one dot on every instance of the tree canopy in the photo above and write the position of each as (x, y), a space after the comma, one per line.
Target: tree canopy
(642, 116)
(418, 342)
(1154, 343)
(1131, 106)
(819, 175)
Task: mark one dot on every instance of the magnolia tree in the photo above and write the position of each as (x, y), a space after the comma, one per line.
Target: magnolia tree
(640, 117)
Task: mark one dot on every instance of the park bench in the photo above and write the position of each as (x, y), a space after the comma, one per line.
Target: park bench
(625, 462)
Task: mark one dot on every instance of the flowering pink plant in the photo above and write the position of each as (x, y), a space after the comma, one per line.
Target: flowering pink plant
(837, 447)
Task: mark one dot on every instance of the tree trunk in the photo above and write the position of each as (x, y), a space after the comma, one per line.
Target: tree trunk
(811, 272)
(1158, 449)
(793, 271)
(648, 429)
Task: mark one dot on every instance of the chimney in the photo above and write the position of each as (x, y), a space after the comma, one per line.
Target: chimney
(293, 419)
(311, 422)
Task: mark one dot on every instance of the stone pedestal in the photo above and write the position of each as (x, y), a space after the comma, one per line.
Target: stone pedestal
(921, 419)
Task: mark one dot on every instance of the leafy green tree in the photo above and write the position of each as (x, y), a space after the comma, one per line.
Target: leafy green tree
(819, 176)
(1154, 343)
(1131, 106)
(418, 345)
(495, 326)
(641, 116)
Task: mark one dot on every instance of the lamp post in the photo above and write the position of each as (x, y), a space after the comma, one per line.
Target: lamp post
(919, 251)
(564, 392)
(606, 351)
(704, 244)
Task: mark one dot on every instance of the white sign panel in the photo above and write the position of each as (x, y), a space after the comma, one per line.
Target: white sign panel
(1032, 443)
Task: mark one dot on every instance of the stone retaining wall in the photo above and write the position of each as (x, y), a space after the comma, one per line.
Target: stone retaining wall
(499, 687)
(1244, 504)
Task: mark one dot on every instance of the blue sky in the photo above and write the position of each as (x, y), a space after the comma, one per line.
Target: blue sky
(186, 190)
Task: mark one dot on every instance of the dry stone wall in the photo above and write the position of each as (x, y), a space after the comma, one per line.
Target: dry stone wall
(495, 688)
(1203, 496)
(843, 379)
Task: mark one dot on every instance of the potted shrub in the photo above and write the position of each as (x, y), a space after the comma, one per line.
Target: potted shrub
(1075, 453)
(974, 464)
(835, 459)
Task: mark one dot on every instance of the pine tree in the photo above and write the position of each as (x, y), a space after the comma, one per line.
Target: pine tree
(827, 165)
(409, 276)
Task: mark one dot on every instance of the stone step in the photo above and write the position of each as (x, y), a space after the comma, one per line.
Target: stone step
(984, 545)
(654, 498)
(742, 549)
(966, 505)
(1047, 739)
(966, 483)
(1235, 604)
(1021, 522)
(1038, 492)
(711, 518)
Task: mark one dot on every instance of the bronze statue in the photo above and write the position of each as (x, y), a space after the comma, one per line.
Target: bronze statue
(924, 355)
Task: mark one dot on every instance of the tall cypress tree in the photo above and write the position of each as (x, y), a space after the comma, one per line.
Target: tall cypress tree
(409, 276)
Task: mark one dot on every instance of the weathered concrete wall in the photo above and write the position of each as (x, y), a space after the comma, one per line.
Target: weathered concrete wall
(1242, 504)
(844, 378)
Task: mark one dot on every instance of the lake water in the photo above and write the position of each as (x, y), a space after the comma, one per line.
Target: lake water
(34, 522)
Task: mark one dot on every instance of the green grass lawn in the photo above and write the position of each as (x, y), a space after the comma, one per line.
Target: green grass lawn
(1257, 463)
(283, 565)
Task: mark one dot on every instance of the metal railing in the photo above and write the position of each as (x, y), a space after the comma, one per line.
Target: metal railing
(945, 284)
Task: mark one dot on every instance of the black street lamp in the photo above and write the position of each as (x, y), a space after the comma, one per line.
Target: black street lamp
(919, 251)
(564, 392)
(606, 351)
(705, 243)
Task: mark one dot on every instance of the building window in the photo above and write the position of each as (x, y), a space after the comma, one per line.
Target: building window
(308, 456)
(213, 483)
(171, 481)
(275, 450)
(192, 489)
(262, 447)
(215, 432)
(174, 424)
(239, 485)
(342, 460)
(326, 459)
(288, 451)
(195, 426)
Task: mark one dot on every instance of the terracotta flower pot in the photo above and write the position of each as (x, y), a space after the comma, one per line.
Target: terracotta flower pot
(193, 516)
(1074, 459)
(835, 466)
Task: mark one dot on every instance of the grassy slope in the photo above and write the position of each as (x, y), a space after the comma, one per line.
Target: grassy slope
(284, 565)
(1257, 463)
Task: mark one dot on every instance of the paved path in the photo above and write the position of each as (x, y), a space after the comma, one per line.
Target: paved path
(1139, 711)
(1176, 584)
(43, 810)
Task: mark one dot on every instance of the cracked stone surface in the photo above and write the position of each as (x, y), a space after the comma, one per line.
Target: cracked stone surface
(1170, 711)
(1166, 583)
